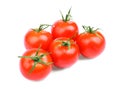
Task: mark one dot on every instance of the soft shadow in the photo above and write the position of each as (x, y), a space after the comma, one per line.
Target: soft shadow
(57, 68)
(83, 58)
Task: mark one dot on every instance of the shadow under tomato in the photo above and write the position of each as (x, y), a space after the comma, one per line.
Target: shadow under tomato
(54, 68)
(81, 57)
(57, 68)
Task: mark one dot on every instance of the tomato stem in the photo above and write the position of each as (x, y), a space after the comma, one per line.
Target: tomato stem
(89, 29)
(62, 16)
(37, 51)
(66, 43)
(42, 27)
(33, 67)
(67, 17)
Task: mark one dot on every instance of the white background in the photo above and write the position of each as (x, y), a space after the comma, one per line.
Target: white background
(18, 16)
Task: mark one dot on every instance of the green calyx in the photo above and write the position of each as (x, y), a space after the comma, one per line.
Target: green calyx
(66, 43)
(89, 29)
(37, 59)
(42, 27)
(67, 17)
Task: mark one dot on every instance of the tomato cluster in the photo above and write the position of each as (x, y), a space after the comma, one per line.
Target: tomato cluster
(61, 47)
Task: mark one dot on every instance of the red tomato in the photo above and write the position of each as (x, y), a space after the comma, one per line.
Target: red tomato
(65, 28)
(35, 64)
(36, 38)
(91, 42)
(65, 52)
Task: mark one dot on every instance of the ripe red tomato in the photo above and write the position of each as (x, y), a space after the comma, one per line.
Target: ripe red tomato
(65, 28)
(36, 38)
(64, 52)
(91, 42)
(35, 64)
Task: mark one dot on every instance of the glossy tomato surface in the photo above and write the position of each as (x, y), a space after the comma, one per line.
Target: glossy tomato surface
(91, 44)
(35, 69)
(64, 29)
(34, 39)
(64, 51)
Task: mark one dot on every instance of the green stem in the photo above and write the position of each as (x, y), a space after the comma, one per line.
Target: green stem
(89, 29)
(67, 17)
(42, 27)
(66, 43)
(24, 57)
(37, 51)
(33, 67)
(62, 16)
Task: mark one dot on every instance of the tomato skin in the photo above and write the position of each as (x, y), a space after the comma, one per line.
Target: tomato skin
(63, 56)
(35, 39)
(91, 44)
(40, 71)
(64, 29)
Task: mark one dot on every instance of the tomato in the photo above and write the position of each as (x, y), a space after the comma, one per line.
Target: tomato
(35, 64)
(36, 38)
(64, 52)
(91, 42)
(65, 27)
